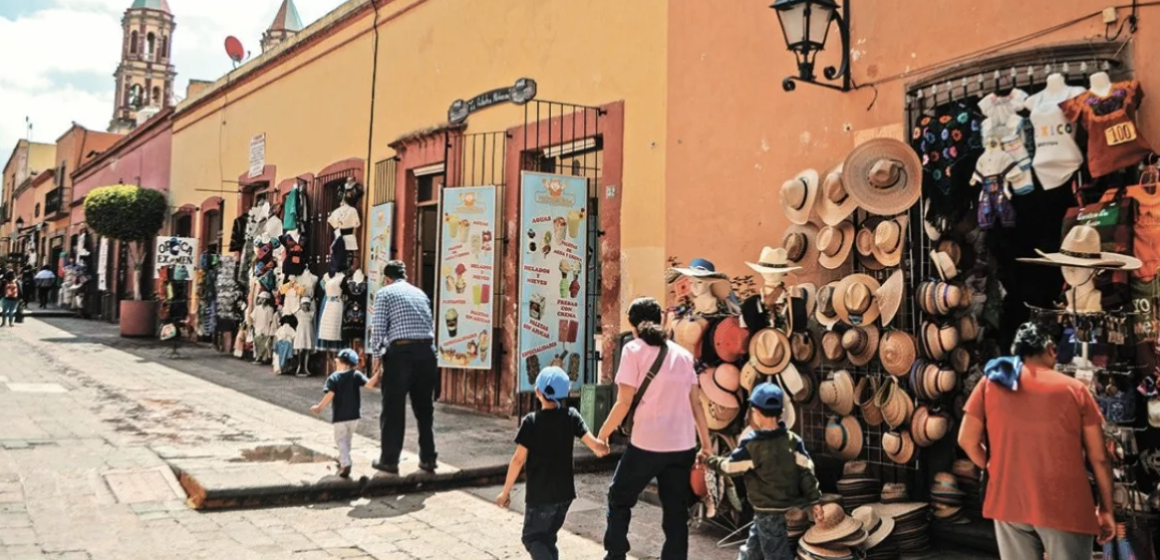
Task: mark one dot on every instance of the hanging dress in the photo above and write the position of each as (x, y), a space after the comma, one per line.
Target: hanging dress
(304, 334)
(330, 324)
(354, 315)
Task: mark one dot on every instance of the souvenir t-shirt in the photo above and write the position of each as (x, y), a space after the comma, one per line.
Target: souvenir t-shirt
(548, 436)
(1035, 436)
(1008, 135)
(1057, 156)
(1145, 229)
(1114, 141)
(1001, 108)
(663, 420)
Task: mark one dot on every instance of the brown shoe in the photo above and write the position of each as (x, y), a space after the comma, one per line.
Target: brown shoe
(344, 472)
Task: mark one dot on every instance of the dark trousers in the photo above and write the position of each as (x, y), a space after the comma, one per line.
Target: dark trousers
(42, 294)
(408, 369)
(636, 469)
(768, 539)
(541, 524)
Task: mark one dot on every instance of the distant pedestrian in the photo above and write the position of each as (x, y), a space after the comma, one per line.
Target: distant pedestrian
(27, 277)
(9, 298)
(544, 444)
(403, 339)
(342, 389)
(778, 475)
(45, 281)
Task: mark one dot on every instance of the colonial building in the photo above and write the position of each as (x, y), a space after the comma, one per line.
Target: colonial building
(145, 77)
(286, 25)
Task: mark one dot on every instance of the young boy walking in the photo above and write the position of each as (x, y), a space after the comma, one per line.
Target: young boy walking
(778, 475)
(544, 444)
(342, 389)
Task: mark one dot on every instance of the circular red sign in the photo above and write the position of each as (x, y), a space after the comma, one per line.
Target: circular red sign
(234, 49)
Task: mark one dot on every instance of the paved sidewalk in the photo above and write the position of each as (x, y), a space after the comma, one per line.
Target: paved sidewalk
(79, 478)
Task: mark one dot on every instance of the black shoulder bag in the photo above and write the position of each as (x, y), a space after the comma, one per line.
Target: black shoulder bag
(626, 425)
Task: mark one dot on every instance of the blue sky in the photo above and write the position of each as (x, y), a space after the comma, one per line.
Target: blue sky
(60, 55)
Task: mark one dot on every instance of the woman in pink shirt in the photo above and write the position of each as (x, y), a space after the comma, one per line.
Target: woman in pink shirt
(667, 422)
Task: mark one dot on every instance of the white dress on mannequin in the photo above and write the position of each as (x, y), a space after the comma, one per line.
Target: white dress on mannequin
(330, 326)
(304, 334)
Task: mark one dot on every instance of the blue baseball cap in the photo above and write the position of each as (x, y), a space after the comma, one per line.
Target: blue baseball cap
(553, 383)
(349, 356)
(768, 398)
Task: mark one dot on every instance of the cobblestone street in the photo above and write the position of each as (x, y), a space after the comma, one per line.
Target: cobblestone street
(79, 480)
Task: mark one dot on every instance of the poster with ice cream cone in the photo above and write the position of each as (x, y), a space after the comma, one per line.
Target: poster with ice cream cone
(382, 219)
(465, 306)
(553, 245)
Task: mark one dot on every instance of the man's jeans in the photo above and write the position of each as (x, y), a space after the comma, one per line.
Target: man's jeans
(768, 539)
(636, 469)
(408, 369)
(541, 524)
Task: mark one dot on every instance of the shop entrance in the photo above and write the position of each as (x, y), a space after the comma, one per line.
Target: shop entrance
(428, 184)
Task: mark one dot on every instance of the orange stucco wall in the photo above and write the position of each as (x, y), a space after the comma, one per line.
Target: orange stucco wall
(734, 135)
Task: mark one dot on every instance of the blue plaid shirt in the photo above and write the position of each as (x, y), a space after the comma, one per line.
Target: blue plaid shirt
(402, 312)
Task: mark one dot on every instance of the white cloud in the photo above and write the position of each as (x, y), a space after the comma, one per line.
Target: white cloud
(59, 58)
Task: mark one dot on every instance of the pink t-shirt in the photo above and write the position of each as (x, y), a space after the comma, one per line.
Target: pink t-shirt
(664, 419)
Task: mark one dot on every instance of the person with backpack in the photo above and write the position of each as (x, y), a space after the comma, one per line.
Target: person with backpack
(666, 422)
(9, 299)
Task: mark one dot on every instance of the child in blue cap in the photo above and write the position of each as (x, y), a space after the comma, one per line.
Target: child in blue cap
(544, 444)
(342, 389)
(778, 475)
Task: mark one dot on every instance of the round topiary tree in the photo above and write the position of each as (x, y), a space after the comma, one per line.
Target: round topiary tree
(128, 214)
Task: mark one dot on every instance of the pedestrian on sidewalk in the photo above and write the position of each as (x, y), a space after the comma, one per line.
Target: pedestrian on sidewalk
(403, 340)
(342, 389)
(9, 298)
(667, 421)
(1031, 429)
(45, 281)
(544, 444)
(778, 475)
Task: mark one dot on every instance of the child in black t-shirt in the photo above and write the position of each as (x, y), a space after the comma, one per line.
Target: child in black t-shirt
(342, 388)
(544, 443)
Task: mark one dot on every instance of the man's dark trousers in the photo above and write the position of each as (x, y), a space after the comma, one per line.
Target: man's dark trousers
(409, 369)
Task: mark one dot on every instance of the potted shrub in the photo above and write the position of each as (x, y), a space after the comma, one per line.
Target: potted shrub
(133, 215)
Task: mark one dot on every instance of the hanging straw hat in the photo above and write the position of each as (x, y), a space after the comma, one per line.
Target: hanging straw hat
(947, 298)
(825, 313)
(688, 332)
(864, 243)
(750, 377)
(832, 347)
(897, 352)
(769, 351)
(960, 361)
(717, 393)
(889, 297)
(728, 377)
(876, 526)
(928, 427)
(844, 437)
(944, 265)
(884, 175)
(899, 446)
(808, 292)
(968, 328)
(864, 393)
(938, 340)
(861, 343)
(1081, 248)
(854, 299)
(798, 195)
(718, 417)
(773, 261)
(833, 526)
(834, 204)
(791, 380)
(798, 242)
(889, 240)
(834, 244)
(895, 404)
(730, 339)
(805, 349)
(838, 392)
(809, 388)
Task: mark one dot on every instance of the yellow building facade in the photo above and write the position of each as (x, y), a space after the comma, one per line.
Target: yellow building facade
(320, 108)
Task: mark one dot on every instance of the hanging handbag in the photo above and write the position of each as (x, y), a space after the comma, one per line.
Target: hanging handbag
(626, 425)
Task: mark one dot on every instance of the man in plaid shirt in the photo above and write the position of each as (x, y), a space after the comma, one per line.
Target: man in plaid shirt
(403, 337)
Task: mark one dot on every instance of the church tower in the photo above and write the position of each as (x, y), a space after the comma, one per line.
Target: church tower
(145, 76)
(286, 25)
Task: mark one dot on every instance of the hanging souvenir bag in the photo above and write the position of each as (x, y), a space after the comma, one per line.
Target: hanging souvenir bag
(626, 426)
(1114, 217)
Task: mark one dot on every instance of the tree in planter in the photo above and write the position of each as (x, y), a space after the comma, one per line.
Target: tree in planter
(128, 214)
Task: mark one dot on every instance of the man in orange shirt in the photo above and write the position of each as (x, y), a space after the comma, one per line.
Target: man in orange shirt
(1039, 424)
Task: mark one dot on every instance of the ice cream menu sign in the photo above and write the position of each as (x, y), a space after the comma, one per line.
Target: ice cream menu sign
(553, 242)
(467, 278)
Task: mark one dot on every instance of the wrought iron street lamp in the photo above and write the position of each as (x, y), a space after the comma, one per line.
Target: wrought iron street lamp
(19, 223)
(806, 26)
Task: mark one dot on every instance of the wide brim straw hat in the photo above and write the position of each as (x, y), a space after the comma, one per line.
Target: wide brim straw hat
(769, 351)
(889, 297)
(773, 260)
(864, 243)
(715, 392)
(791, 380)
(944, 265)
(898, 510)
(939, 340)
(833, 526)
(807, 291)
(809, 388)
(855, 301)
(832, 552)
(902, 452)
(688, 332)
(877, 526)
(844, 437)
(727, 377)
(832, 347)
(947, 298)
(864, 393)
(890, 240)
(800, 244)
(897, 351)
(834, 203)
(1081, 248)
(716, 416)
(825, 313)
(894, 492)
(928, 427)
(730, 339)
(837, 393)
(884, 176)
(798, 194)
(805, 349)
(834, 244)
(750, 377)
(861, 344)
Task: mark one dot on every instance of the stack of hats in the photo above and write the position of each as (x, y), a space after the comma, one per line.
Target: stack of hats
(968, 476)
(833, 536)
(911, 525)
(797, 522)
(878, 544)
(947, 499)
(857, 487)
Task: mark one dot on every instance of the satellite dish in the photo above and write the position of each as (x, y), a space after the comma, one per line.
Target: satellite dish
(234, 49)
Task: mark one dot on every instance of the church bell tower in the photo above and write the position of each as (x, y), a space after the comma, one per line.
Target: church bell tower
(145, 77)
